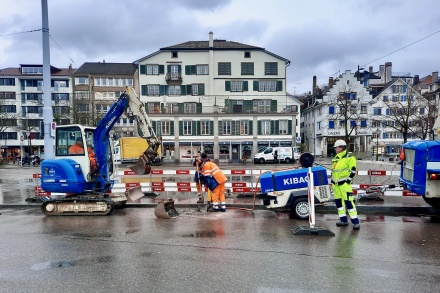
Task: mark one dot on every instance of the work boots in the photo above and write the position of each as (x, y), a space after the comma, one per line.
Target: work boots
(341, 224)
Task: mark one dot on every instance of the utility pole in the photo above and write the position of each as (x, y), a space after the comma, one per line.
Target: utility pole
(47, 94)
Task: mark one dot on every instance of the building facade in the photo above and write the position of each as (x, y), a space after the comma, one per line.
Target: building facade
(372, 111)
(21, 106)
(96, 86)
(224, 98)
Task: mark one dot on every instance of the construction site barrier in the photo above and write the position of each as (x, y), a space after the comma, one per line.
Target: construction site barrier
(157, 181)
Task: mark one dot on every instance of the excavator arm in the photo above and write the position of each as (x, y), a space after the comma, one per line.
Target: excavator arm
(135, 109)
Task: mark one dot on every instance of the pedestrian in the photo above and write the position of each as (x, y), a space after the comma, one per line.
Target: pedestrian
(215, 180)
(343, 171)
(15, 156)
(275, 157)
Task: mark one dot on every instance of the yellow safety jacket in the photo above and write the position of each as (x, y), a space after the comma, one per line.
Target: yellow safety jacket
(343, 168)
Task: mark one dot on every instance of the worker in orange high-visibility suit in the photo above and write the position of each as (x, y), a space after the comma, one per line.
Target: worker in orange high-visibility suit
(214, 177)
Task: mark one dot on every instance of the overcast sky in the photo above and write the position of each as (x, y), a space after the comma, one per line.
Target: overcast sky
(319, 37)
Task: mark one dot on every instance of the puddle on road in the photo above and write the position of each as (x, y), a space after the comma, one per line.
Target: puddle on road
(71, 263)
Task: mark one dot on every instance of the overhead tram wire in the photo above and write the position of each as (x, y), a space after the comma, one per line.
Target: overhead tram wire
(415, 42)
(32, 31)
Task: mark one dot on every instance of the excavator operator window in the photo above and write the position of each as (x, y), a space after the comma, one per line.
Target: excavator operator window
(68, 138)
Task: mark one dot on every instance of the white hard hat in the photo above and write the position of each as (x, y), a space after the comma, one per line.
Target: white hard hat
(339, 143)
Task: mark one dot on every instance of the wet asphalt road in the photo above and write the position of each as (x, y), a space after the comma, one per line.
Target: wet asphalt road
(236, 251)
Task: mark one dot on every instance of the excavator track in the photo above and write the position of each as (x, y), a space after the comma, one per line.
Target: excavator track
(75, 206)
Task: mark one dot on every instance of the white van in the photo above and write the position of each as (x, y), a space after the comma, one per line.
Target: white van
(285, 154)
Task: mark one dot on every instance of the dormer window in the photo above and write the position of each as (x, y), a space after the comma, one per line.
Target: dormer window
(247, 54)
(173, 54)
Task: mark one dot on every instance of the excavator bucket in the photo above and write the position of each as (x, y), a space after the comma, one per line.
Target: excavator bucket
(165, 209)
(142, 167)
(134, 193)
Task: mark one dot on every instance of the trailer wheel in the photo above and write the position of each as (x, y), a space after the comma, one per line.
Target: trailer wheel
(300, 209)
(434, 202)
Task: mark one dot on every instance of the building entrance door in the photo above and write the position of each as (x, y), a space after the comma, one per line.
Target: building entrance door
(235, 158)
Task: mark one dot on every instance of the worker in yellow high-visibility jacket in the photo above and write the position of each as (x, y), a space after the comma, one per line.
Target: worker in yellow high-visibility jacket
(343, 171)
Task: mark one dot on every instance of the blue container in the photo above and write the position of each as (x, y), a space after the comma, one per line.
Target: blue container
(292, 179)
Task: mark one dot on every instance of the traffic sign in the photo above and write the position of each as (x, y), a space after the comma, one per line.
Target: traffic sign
(298, 139)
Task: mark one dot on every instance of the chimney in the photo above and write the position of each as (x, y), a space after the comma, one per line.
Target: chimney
(434, 76)
(370, 69)
(314, 85)
(330, 81)
(381, 73)
(388, 71)
(211, 40)
(416, 80)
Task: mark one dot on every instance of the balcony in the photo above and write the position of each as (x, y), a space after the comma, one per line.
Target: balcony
(173, 78)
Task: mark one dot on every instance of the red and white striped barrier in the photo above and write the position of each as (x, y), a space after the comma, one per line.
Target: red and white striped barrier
(235, 187)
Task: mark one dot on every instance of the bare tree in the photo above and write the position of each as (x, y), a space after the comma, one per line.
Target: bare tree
(8, 117)
(407, 113)
(350, 110)
(81, 112)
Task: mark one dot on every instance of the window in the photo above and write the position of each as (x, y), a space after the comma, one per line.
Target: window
(244, 127)
(265, 127)
(174, 71)
(331, 124)
(261, 106)
(204, 124)
(174, 55)
(152, 69)
(363, 109)
(267, 86)
(224, 68)
(271, 68)
(195, 89)
(8, 108)
(59, 84)
(81, 80)
(32, 70)
(83, 107)
(247, 54)
(236, 86)
(187, 128)
(341, 123)
(174, 90)
(226, 127)
(377, 111)
(153, 90)
(363, 123)
(247, 68)
(165, 127)
(82, 94)
(7, 81)
(11, 95)
(202, 70)
(190, 108)
(385, 98)
(283, 127)
(331, 109)
(422, 111)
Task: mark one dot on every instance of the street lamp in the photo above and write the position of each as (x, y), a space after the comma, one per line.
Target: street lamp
(377, 143)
